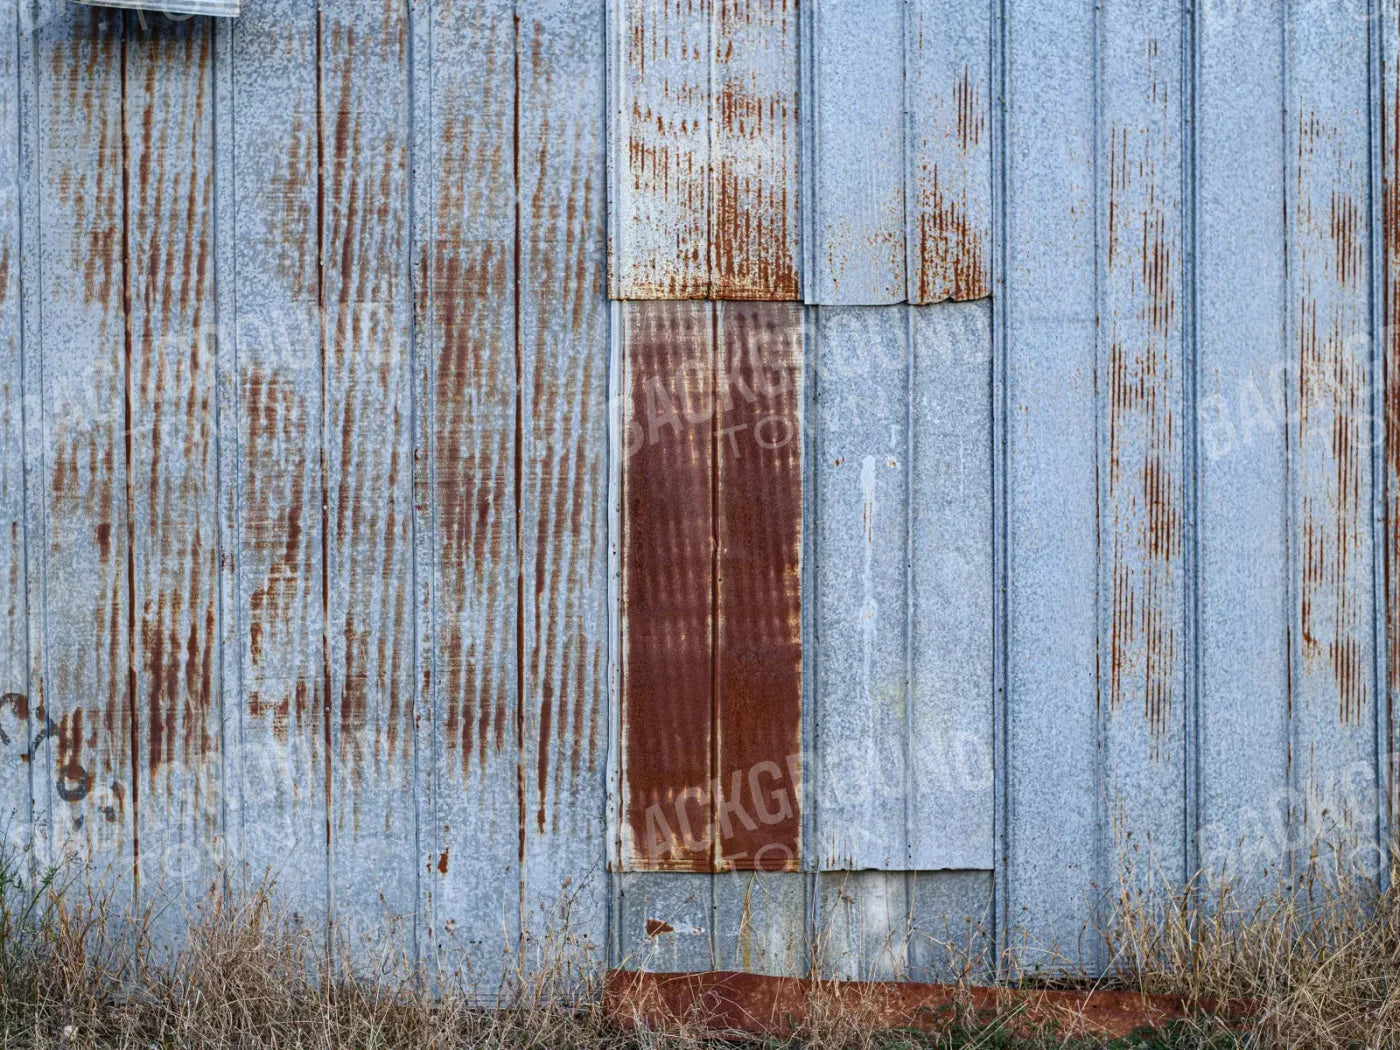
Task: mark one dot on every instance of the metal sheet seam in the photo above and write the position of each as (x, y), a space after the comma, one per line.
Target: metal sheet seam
(225, 469)
(1100, 863)
(323, 471)
(1290, 437)
(908, 610)
(127, 425)
(1001, 625)
(1380, 494)
(807, 431)
(811, 586)
(29, 234)
(807, 128)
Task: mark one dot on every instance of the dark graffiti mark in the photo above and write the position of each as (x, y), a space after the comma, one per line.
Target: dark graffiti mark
(73, 782)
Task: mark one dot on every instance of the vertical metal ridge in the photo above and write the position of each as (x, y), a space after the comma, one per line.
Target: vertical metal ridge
(811, 592)
(223, 236)
(23, 267)
(417, 634)
(1103, 845)
(908, 611)
(1379, 380)
(809, 124)
(131, 678)
(999, 466)
(327, 732)
(1190, 450)
(1289, 411)
(518, 468)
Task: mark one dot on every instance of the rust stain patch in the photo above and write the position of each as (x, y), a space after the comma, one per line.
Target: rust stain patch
(1390, 155)
(1333, 410)
(655, 928)
(172, 467)
(470, 270)
(709, 197)
(1144, 391)
(753, 116)
(952, 186)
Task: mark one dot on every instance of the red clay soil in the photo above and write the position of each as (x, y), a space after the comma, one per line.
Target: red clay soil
(720, 1002)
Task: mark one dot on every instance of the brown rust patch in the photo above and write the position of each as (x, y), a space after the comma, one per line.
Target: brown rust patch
(470, 307)
(655, 928)
(667, 585)
(758, 645)
(173, 461)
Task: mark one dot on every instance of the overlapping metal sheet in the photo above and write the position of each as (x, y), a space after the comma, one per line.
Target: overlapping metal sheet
(330, 556)
(838, 152)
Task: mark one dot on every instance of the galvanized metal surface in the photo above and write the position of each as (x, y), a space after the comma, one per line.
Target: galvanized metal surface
(322, 562)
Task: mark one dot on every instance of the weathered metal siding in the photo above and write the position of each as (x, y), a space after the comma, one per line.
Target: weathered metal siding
(328, 552)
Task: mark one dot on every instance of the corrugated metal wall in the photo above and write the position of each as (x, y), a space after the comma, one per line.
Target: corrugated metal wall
(1031, 532)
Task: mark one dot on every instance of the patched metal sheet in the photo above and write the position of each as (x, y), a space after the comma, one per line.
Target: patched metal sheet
(711, 536)
(899, 182)
(704, 149)
(903, 608)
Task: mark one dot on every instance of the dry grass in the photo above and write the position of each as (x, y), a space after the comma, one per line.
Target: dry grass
(1319, 965)
(1316, 965)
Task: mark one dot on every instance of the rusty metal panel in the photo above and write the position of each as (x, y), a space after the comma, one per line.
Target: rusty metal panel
(1329, 337)
(899, 152)
(1051, 764)
(367, 460)
(948, 79)
(564, 338)
(754, 226)
(667, 585)
(16, 786)
(467, 339)
(277, 701)
(1143, 430)
(948, 730)
(81, 698)
(172, 459)
(758, 585)
(1242, 525)
(711, 536)
(704, 149)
